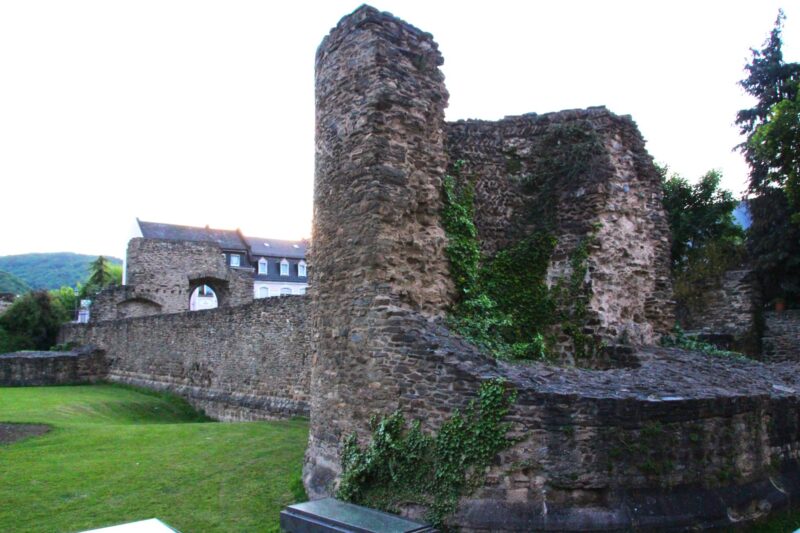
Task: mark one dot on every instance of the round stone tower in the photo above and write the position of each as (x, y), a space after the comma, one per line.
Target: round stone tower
(378, 244)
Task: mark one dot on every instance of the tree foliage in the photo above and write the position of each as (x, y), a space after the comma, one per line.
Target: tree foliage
(770, 80)
(102, 274)
(773, 243)
(65, 302)
(772, 127)
(33, 320)
(698, 215)
(776, 142)
(31, 323)
(706, 241)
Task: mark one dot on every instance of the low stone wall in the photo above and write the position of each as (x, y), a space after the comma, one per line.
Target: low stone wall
(51, 368)
(239, 363)
(781, 341)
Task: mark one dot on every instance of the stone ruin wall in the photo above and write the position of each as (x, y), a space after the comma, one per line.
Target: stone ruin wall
(677, 440)
(727, 313)
(247, 362)
(378, 247)
(781, 341)
(161, 275)
(36, 369)
(617, 199)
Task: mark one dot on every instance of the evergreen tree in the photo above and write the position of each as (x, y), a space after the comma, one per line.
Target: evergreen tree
(770, 80)
(102, 274)
(770, 150)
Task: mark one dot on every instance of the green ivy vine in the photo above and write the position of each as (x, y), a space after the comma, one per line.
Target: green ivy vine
(403, 465)
(503, 303)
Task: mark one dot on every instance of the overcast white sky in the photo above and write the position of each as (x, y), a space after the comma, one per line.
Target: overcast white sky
(198, 112)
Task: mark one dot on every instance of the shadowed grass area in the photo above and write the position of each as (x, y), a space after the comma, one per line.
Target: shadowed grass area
(117, 454)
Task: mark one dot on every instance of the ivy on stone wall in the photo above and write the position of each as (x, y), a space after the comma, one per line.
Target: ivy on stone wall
(573, 296)
(462, 247)
(565, 153)
(568, 151)
(504, 304)
(402, 465)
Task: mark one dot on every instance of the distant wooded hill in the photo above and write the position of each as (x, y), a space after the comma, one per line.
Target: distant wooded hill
(11, 283)
(49, 270)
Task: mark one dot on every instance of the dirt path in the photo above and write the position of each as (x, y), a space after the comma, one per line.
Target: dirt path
(13, 432)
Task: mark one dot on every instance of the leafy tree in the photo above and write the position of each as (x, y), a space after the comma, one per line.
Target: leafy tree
(65, 302)
(115, 271)
(776, 142)
(31, 323)
(773, 243)
(699, 215)
(771, 150)
(706, 241)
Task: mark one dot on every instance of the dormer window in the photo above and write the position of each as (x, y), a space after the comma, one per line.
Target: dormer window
(301, 269)
(262, 266)
(284, 267)
(235, 260)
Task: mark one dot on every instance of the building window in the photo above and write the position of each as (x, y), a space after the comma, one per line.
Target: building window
(262, 266)
(235, 260)
(263, 292)
(286, 291)
(301, 269)
(284, 269)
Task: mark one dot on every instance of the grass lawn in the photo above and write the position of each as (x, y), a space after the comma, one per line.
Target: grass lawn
(117, 454)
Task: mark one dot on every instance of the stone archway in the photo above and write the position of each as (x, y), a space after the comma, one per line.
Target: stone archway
(207, 292)
(203, 297)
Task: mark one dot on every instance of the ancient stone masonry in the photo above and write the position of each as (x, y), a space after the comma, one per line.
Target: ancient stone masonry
(668, 439)
(578, 175)
(52, 368)
(378, 246)
(727, 313)
(162, 275)
(246, 362)
(781, 340)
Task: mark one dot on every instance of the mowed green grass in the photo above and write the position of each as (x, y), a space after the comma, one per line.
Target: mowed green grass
(117, 454)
